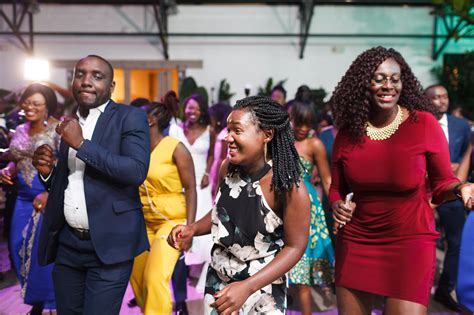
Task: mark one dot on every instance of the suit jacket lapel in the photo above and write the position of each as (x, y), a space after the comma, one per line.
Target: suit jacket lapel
(63, 153)
(103, 122)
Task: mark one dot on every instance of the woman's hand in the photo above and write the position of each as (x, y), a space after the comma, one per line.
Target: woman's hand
(181, 237)
(342, 213)
(185, 245)
(231, 298)
(6, 175)
(205, 181)
(467, 195)
(39, 203)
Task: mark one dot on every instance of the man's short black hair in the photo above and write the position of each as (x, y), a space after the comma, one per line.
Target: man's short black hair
(109, 65)
(433, 86)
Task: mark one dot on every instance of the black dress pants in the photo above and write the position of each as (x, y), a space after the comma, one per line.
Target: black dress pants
(452, 217)
(82, 283)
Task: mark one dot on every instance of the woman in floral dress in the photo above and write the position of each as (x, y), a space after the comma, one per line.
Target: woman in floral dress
(260, 220)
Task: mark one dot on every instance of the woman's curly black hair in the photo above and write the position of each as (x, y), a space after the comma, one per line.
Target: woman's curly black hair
(268, 114)
(350, 100)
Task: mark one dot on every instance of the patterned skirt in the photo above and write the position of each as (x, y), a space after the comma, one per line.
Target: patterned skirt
(316, 267)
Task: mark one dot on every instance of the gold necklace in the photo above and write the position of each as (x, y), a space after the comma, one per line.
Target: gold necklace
(386, 132)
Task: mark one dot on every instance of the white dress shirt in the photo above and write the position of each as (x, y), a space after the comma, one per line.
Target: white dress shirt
(75, 209)
(444, 125)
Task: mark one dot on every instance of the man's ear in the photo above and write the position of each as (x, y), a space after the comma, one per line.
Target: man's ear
(269, 133)
(112, 87)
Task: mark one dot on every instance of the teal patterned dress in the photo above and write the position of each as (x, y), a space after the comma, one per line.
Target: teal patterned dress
(316, 267)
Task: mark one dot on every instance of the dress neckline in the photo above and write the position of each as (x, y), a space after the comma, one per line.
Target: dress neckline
(197, 138)
(257, 175)
(165, 139)
(404, 121)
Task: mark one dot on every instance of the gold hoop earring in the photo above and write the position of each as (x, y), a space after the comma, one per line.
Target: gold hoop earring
(265, 152)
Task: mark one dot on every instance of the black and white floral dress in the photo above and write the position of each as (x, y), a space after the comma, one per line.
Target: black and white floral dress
(247, 235)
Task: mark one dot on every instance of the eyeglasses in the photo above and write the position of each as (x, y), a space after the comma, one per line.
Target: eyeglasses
(34, 104)
(381, 80)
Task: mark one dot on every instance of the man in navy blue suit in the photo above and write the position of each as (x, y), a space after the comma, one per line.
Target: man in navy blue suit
(93, 225)
(451, 214)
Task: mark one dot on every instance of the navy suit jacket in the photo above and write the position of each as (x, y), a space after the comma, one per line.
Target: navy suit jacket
(117, 159)
(459, 138)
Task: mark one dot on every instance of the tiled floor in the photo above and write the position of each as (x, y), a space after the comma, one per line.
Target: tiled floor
(11, 303)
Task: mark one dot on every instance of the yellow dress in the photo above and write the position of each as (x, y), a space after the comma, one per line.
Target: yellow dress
(152, 270)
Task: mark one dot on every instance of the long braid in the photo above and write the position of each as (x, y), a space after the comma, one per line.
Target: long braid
(270, 115)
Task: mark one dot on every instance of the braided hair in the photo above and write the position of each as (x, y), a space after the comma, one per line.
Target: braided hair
(268, 114)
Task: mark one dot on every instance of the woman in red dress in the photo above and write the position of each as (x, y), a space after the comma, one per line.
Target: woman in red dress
(388, 142)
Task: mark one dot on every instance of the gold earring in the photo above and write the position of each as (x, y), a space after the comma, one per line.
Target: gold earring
(265, 152)
(45, 120)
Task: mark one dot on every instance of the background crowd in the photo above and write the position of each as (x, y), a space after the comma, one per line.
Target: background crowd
(188, 143)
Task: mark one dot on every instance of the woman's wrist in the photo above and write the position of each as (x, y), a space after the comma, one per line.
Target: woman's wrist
(457, 189)
(11, 166)
(192, 227)
(251, 286)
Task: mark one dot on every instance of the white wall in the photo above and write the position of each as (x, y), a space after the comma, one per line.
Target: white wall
(241, 61)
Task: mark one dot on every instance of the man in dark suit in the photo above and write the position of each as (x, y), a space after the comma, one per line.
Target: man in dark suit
(451, 214)
(93, 225)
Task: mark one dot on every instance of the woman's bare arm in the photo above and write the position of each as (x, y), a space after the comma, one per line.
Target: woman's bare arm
(184, 162)
(319, 155)
(296, 215)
